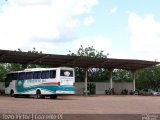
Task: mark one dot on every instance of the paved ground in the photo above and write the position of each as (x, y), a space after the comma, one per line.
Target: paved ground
(82, 105)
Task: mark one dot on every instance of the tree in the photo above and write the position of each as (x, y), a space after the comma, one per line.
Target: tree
(120, 75)
(3, 72)
(148, 77)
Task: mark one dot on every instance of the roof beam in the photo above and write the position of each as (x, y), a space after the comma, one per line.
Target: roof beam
(99, 64)
(38, 59)
(72, 62)
(1, 56)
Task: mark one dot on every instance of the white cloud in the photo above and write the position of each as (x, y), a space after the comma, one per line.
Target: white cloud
(89, 20)
(33, 2)
(112, 10)
(84, 6)
(98, 42)
(24, 22)
(145, 32)
(74, 23)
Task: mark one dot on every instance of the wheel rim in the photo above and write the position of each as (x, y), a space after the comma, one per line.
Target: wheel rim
(38, 94)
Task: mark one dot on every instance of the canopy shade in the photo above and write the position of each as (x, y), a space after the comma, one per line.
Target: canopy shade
(25, 58)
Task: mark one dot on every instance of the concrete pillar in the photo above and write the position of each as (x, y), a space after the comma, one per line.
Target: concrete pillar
(106, 80)
(134, 80)
(110, 78)
(86, 91)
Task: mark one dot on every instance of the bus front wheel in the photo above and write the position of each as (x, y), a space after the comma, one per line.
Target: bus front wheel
(12, 93)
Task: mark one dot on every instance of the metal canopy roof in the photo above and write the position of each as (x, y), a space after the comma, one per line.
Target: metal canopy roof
(25, 58)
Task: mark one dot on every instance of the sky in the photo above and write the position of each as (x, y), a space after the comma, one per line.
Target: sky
(126, 29)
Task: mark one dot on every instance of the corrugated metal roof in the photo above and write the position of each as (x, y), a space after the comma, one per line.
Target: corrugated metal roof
(7, 56)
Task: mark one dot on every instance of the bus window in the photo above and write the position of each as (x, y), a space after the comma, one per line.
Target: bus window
(37, 75)
(21, 76)
(8, 77)
(66, 73)
(53, 74)
(45, 75)
(29, 75)
(14, 76)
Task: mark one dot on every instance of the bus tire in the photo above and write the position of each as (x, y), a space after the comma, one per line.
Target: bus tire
(38, 94)
(12, 93)
(53, 96)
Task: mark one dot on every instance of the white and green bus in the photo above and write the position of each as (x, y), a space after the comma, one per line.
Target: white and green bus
(41, 82)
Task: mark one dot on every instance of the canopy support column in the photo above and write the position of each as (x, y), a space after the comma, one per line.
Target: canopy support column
(86, 91)
(110, 78)
(134, 80)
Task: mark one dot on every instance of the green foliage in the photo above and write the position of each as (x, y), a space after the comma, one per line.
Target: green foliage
(120, 75)
(98, 75)
(148, 78)
(3, 72)
(88, 51)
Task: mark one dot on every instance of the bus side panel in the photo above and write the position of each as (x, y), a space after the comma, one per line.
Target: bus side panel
(48, 86)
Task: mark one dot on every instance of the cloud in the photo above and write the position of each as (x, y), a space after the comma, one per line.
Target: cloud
(84, 6)
(145, 32)
(33, 2)
(74, 23)
(24, 22)
(98, 42)
(89, 20)
(112, 10)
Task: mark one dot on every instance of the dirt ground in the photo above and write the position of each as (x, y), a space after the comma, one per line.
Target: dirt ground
(82, 105)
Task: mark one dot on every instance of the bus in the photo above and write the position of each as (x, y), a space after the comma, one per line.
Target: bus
(41, 82)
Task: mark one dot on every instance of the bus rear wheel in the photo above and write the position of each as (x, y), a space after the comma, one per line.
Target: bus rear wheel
(38, 94)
